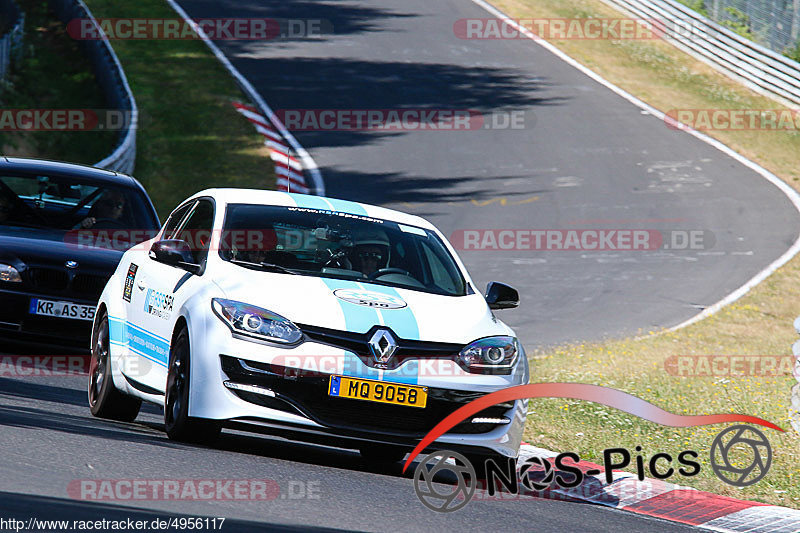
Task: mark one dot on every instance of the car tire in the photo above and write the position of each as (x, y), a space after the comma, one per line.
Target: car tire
(177, 422)
(105, 400)
(382, 454)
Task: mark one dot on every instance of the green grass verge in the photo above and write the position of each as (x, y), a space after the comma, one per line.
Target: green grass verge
(190, 137)
(50, 54)
(758, 324)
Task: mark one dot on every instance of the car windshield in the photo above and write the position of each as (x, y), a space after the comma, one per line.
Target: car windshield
(337, 245)
(65, 203)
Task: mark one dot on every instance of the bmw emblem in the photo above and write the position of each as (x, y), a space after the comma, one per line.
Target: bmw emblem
(71, 264)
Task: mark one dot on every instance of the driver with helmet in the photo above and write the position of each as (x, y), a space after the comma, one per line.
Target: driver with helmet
(370, 250)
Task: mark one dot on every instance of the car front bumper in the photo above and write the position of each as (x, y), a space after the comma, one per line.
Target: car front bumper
(298, 402)
(17, 323)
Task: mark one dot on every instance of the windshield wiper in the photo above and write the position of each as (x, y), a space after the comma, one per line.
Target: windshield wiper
(266, 266)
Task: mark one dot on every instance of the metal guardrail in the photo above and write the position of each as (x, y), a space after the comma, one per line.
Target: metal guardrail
(758, 67)
(314, 182)
(11, 42)
(772, 23)
(112, 81)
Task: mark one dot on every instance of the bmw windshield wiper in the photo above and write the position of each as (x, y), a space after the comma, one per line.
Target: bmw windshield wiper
(265, 266)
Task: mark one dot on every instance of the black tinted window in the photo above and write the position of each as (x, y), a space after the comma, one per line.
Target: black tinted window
(175, 219)
(65, 203)
(197, 230)
(335, 245)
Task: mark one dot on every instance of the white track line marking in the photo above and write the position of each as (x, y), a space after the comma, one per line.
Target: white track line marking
(790, 193)
(305, 157)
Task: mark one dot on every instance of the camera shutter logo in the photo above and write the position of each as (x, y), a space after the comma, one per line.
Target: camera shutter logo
(537, 474)
(454, 497)
(734, 470)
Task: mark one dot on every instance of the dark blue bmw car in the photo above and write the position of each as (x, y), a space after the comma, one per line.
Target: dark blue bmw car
(63, 228)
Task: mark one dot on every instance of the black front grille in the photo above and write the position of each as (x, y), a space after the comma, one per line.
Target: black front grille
(89, 285)
(309, 395)
(358, 343)
(64, 283)
(58, 328)
(48, 279)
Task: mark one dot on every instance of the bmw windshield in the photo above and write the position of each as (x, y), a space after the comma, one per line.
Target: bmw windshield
(66, 203)
(336, 245)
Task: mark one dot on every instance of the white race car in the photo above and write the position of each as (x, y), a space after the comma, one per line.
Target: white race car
(314, 318)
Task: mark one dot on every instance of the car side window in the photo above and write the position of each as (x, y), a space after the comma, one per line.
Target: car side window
(441, 277)
(174, 219)
(197, 230)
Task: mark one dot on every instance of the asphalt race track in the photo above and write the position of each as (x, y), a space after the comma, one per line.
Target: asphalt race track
(585, 159)
(590, 158)
(49, 440)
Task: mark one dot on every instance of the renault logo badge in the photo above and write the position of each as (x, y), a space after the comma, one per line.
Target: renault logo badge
(382, 345)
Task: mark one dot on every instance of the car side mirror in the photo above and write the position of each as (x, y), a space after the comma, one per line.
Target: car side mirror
(174, 252)
(501, 296)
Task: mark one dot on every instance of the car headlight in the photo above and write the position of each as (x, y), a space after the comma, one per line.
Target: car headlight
(9, 274)
(491, 355)
(251, 321)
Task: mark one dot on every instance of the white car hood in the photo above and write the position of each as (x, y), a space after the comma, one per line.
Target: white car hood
(411, 315)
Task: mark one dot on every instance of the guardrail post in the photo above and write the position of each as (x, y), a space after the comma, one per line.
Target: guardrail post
(112, 81)
(764, 70)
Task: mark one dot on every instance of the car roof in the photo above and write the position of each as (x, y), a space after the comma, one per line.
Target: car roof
(60, 168)
(279, 198)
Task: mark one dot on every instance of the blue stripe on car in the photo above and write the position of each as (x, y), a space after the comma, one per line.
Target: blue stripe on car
(328, 204)
(146, 344)
(347, 207)
(358, 319)
(309, 202)
(402, 321)
(404, 324)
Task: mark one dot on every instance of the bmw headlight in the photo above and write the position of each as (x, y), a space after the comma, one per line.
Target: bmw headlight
(490, 355)
(251, 321)
(9, 274)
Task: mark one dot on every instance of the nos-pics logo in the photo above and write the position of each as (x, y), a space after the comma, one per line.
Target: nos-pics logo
(446, 481)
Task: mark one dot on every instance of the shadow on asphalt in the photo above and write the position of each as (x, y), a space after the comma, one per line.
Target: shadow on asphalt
(19, 388)
(332, 83)
(335, 18)
(300, 74)
(28, 417)
(149, 432)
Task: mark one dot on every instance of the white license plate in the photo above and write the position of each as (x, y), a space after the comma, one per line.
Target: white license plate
(61, 309)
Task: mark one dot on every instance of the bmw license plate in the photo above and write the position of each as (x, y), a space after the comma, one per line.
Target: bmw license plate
(378, 391)
(61, 309)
